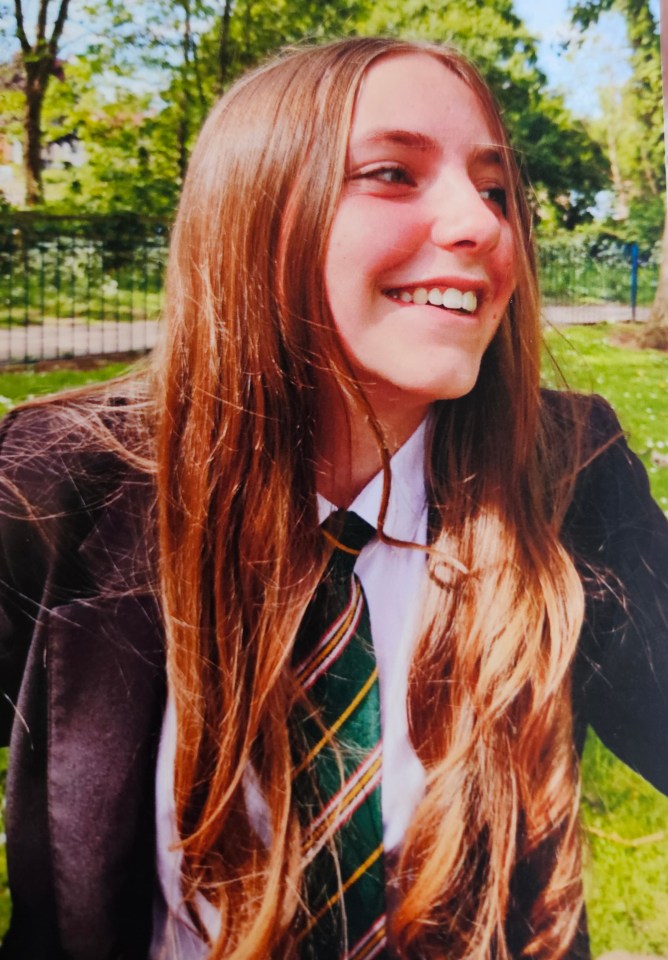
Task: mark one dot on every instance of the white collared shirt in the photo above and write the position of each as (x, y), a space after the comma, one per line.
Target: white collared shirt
(393, 580)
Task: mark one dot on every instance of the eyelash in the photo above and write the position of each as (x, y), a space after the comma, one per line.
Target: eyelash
(380, 173)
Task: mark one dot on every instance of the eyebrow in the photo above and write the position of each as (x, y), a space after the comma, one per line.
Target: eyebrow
(487, 155)
(405, 138)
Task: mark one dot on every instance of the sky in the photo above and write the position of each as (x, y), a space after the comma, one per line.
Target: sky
(600, 59)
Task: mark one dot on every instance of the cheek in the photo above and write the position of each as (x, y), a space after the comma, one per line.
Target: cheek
(506, 266)
(369, 239)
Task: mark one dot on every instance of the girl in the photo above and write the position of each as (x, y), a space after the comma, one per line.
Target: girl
(352, 322)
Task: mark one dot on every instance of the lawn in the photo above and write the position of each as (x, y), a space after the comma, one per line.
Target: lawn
(625, 821)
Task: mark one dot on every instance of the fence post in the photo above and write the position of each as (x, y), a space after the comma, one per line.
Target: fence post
(634, 280)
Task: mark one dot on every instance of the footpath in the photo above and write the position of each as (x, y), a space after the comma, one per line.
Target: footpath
(77, 338)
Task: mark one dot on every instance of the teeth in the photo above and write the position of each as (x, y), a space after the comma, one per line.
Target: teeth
(451, 298)
(469, 301)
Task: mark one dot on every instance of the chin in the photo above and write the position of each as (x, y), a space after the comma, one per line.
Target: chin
(456, 384)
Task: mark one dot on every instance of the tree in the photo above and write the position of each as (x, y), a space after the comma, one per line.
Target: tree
(137, 95)
(648, 142)
(39, 62)
(130, 146)
(656, 333)
(185, 52)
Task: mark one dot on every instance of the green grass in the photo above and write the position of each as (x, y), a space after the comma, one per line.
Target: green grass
(627, 885)
(634, 381)
(25, 384)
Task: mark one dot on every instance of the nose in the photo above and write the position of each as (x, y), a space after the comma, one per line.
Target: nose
(462, 218)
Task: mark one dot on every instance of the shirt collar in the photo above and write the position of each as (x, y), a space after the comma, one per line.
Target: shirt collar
(408, 495)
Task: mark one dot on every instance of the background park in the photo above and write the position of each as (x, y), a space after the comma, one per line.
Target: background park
(100, 101)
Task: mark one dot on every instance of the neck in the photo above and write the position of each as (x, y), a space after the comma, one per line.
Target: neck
(349, 453)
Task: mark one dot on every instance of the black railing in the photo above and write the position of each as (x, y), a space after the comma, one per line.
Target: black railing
(596, 278)
(88, 285)
(75, 286)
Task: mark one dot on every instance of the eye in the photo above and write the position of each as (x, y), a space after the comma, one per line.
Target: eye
(497, 196)
(386, 174)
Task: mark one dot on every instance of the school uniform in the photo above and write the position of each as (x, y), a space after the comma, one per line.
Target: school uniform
(82, 671)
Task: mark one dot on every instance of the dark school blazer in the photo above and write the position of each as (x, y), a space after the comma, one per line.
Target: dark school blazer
(83, 684)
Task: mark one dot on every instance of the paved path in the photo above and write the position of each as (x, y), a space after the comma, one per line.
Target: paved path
(72, 338)
(593, 313)
(623, 955)
(67, 338)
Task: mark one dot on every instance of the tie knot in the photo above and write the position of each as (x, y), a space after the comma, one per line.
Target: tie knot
(349, 534)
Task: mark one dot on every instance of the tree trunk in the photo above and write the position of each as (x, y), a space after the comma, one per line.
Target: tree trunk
(224, 47)
(32, 136)
(184, 124)
(38, 62)
(656, 332)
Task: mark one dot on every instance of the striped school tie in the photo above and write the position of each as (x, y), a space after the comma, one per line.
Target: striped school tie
(338, 761)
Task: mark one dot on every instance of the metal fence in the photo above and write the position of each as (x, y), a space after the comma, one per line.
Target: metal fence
(85, 286)
(592, 279)
(79, 286)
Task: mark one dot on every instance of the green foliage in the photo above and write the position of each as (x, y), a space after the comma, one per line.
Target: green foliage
(130, 163)
(257, 29)
(137, 96)
(632, 123)
(83, 268)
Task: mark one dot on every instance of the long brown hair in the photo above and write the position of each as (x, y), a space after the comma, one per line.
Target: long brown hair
(248, 332)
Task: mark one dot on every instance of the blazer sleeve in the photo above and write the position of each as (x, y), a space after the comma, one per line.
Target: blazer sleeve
(619, 538)
(43, 516)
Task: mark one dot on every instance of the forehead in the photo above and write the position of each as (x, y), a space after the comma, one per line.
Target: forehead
(417, 92)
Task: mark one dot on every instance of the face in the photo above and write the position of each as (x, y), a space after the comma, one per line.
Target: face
(419, 266)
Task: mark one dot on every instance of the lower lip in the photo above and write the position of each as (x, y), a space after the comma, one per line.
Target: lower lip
(442, 312)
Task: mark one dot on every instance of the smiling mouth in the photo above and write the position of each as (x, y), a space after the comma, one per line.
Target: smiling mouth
(449, 298)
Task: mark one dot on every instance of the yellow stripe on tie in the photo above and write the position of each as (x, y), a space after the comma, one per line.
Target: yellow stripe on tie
(333, 900)
(361, 694)
(338, 545)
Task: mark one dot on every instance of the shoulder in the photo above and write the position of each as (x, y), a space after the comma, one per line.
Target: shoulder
(588, 446)
(589, 417)
(73, 451)
(76, 490)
